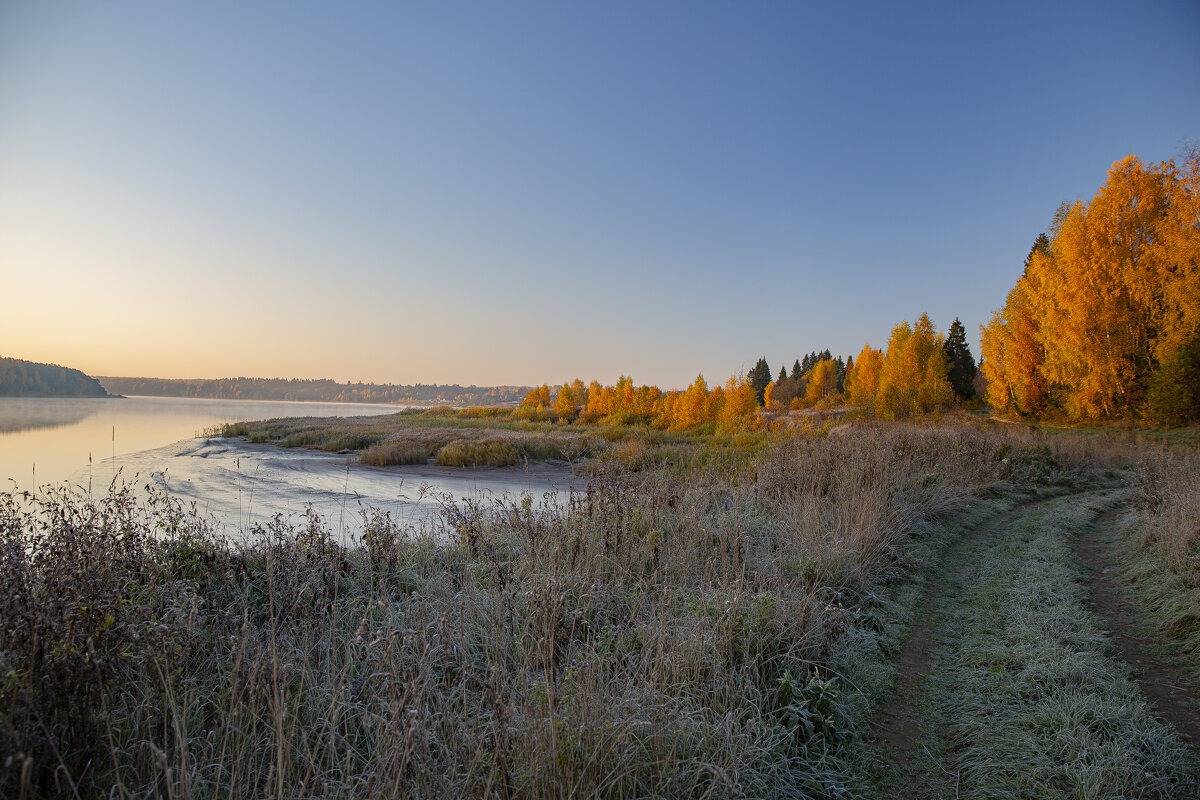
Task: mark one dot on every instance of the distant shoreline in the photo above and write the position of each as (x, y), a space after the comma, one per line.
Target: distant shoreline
(317, 391)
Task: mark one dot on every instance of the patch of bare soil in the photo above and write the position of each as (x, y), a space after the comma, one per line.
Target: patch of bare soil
(901, 714)
(1161, 682)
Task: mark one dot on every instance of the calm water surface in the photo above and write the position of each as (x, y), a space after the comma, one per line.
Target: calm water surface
(154, 439)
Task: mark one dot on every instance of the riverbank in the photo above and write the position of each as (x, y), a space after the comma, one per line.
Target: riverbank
(728, 623)
(239, 485)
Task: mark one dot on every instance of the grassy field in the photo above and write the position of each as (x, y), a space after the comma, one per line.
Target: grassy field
(716, 615)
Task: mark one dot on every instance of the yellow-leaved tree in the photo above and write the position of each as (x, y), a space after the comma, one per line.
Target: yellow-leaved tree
(692, 407)
(914, 378)
(564, 402)
(1013, 354)
(594, 392)
(740, 402)
(822, 381)
(1099, 293)
(862, 380)
(1105, 320)
(1174, 389)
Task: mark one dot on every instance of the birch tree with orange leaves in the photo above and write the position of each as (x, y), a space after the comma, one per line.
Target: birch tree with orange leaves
(822, 382)
(862, 380)
(740, 402)
(914, 378)
(1105, 321)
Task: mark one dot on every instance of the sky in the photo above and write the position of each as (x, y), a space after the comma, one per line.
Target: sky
(512, 193)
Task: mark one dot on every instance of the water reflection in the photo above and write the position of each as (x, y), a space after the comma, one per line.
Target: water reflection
(91, 442)
(36, 413)
(49, 440)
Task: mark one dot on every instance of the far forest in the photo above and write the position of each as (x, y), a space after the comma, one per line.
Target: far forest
(325, 391)
(30, 379)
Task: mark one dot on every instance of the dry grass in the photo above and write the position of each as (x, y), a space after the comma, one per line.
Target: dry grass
(1170, 500)
(1165, 568)
(667, 634)
(481, 453)
(394, 453)
(476, 439)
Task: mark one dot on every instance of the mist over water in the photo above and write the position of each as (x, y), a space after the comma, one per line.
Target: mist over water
(19, 414)
(49, 440)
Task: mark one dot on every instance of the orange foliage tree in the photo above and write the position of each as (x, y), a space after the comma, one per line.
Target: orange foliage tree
(564, 402)
(732, 406)
(822, 381)
(1105, 322)
(537, 399)
(862, 380)
(914, 378)
(740, 403)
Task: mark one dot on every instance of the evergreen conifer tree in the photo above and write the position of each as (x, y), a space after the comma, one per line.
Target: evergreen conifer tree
(796, 371)
(960, 361)
(1040, 245)
(759, 376)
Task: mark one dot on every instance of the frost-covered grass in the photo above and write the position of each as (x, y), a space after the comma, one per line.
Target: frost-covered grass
(1159, 544)
(677, 630)
(1029, 697)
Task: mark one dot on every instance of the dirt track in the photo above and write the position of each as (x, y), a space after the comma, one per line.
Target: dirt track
(1012, 656)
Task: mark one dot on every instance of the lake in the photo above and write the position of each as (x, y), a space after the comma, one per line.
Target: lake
(89, 442)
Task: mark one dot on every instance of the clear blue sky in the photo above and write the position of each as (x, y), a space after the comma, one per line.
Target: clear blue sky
(516, 193)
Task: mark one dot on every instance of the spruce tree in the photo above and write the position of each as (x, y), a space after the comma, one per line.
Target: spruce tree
(782, 374)
(759, 376)
(960, 362)
(1040, 245)
(796, 371)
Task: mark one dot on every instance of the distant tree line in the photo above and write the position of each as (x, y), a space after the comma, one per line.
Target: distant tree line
(30, 379)
(728, 407)
(324, 390)
(921, 371)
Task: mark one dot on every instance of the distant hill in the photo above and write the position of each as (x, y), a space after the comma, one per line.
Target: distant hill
(327, 391)
(30, 379)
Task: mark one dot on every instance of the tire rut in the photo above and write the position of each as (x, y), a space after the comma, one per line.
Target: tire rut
(899, 722)
(1161, 682)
